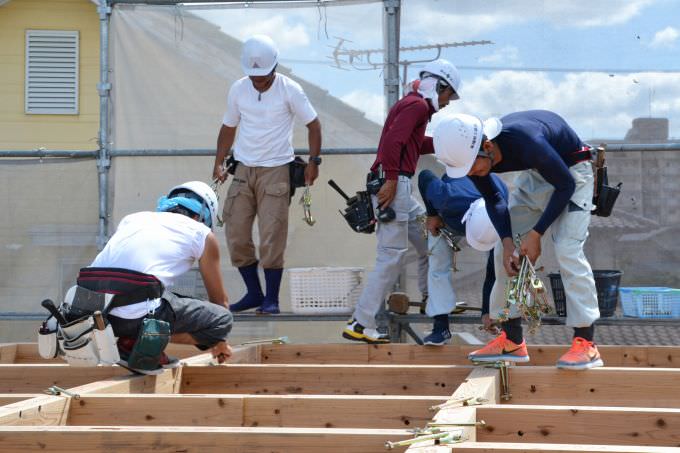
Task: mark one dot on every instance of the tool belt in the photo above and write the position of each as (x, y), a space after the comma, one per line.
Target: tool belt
(374, 181)
(604, 195)
(82, 335)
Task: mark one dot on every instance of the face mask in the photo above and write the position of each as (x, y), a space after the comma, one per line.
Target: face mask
(428, 89)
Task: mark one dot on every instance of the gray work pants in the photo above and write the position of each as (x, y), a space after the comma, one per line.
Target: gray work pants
(393, 239)
(568, 233)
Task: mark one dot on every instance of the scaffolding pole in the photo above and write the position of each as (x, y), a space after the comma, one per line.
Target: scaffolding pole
(103, 158)
(391, 23)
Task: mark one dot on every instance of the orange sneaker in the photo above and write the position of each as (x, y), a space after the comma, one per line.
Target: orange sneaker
(501, 349)
(582, 355)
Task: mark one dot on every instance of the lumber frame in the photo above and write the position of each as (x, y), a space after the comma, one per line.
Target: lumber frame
(565, 424)
(312, 411)
(8, 352)
(197, 439)
(620, 387)
(432, 380)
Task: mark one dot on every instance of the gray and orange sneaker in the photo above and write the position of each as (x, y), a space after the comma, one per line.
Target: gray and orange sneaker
(500, 349)
(582, 355)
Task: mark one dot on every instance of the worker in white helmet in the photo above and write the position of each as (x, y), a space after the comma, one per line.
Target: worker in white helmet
(139, 266)
(263, 106)
(454, 204)
(401, 143)
(554, 189)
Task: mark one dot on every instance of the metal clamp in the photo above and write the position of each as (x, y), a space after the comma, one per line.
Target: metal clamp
(464, 401)
(505, 378)
(306, 202)
(280, 340)
(442, 438)
(58, 391)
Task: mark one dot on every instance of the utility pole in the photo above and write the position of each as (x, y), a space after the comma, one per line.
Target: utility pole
(391, 20)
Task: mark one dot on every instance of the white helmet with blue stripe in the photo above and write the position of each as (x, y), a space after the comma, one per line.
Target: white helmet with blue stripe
(195, 196)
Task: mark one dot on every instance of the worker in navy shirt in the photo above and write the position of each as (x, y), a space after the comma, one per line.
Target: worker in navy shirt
(554, 190)
(457, 205)
(401, 143)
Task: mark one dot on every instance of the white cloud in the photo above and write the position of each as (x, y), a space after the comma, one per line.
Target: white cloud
(508, 55)
(594, 104)
(372, 104)
(665, 38)
(439, 21)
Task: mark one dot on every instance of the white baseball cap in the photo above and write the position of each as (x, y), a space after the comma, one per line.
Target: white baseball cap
(259, 56)
(458, 139)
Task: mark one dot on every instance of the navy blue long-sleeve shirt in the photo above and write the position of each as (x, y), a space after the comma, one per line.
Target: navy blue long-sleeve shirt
(539, 140)
(450, 199)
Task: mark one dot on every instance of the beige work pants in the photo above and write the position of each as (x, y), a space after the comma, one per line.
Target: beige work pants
(568, 233)
(261, 192)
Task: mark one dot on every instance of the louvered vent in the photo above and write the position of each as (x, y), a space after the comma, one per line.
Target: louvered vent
(51, 72)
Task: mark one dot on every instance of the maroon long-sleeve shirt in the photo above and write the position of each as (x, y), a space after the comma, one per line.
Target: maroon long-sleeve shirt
(403, 136)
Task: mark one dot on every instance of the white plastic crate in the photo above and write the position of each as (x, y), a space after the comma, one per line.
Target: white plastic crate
(650, 302)
(325, 290)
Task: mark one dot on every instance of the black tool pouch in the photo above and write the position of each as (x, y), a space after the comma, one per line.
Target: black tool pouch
(605, 195)
(359, 213)
(297, 174)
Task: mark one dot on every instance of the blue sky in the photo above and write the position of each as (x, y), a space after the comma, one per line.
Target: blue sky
(614, 35)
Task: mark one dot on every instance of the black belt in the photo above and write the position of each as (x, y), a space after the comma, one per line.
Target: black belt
(406, 173)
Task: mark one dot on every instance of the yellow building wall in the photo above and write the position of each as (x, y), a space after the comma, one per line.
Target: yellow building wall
(19, 131)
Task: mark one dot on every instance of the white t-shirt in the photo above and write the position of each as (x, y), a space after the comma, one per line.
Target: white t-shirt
(162, 244)
(265, 120)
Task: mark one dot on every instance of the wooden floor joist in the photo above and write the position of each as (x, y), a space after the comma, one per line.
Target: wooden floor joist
(579, 424)
(325, 379)
(70, 439)
(545, 355)
(36, 378)
(311, 411)
(622, 387)
(504, 447)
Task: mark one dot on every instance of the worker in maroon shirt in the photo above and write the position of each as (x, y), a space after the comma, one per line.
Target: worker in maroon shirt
(401, 143)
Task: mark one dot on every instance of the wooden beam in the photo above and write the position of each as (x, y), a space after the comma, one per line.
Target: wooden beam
(313, 411)
(614, 356)
(580, 425)
(8, 353)
(324, 379)
(36, 378)
(10, 398)
(494, 447)
(627, 387)
(196, 439)
(41, 410)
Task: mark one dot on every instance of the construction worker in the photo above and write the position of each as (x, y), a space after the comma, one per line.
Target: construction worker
(263, 106)
(455, 204)
(402, 141)
(554, 189)
(156, 248)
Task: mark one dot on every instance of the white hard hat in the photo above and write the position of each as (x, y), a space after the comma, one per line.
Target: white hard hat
(479, 231)
(445, 70)
(458, 139)
(259, 56)
(207, 198)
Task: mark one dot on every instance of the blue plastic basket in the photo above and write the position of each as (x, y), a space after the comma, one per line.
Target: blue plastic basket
(650, 302)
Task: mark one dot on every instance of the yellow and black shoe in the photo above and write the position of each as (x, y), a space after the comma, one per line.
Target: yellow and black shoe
(356, 332)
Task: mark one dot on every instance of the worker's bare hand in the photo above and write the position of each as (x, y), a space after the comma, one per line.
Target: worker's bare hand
(311, 173)
(221, 351)
(489, 324)
(531, 246)
(433, 224)
(220, 173)
(387, 193)
(510, 257)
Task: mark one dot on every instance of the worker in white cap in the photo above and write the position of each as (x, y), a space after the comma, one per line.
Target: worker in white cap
(554, 189)
(454, 204)
(263, 106)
